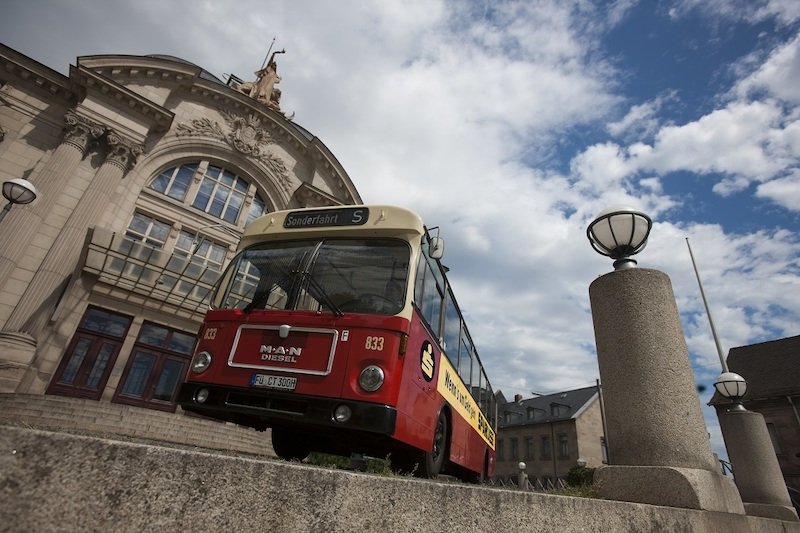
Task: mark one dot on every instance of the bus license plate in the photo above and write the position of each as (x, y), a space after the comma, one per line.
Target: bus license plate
(273, 382)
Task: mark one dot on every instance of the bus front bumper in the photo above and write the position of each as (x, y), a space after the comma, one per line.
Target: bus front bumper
(256, 407)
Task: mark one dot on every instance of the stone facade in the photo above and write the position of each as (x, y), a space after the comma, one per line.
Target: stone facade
(550, 434)
(147, 170)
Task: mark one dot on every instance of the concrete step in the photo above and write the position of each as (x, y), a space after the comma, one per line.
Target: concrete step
(101, 417)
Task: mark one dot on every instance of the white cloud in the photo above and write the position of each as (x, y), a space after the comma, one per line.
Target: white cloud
(783, 191)
(641, 120)
(743, 142)
(779, 75)
(753, 11)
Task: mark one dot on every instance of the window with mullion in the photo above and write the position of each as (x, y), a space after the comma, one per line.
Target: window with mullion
(155, 368)
(257, 208)
(207, 251)
(175, 181)
(221, 193)
(148, 230)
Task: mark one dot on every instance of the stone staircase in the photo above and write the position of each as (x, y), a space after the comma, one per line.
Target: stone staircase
(107, 419)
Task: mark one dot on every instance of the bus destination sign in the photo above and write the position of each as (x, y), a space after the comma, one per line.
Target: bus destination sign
(346, 216)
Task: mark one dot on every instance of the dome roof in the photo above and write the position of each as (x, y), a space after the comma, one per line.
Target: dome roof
(204, 74)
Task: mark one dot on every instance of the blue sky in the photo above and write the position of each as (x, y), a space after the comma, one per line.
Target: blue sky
(511, 124)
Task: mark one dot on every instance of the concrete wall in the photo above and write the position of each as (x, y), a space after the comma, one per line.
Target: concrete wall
(61, 482)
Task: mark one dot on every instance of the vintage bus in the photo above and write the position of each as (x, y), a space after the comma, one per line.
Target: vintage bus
(336, 327)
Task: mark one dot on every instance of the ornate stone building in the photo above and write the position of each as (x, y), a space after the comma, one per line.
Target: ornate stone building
(147, 170)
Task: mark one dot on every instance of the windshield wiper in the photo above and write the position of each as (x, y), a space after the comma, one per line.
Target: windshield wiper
(321, 294)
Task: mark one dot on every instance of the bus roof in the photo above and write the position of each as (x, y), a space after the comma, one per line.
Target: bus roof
(350, 220)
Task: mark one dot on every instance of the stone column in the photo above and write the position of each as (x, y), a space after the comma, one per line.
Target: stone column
(657, 440)
(30, 227)
(755, 466)
(62, 257)
(22, 225)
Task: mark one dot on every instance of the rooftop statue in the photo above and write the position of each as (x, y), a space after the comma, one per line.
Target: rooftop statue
(263, 89)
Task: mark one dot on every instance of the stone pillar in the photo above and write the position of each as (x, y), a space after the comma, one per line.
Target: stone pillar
(26, 227)
(755, 466)
(62, 257)
(658, 445)
(22, 225)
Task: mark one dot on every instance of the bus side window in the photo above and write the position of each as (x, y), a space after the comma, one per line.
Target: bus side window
(464, 362)
(428, 295)
(475, 381)
(485, 392)
(452, 328)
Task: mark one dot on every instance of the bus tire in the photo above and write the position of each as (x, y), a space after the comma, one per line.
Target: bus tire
(433, 461)
(289, 445)
(405, 462)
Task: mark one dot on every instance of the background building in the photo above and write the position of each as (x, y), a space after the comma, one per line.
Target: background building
(772, 372)
(147, 169)
(550, 434)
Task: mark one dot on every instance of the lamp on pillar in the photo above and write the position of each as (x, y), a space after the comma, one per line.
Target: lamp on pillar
(659, 453)
(620, 232)
(17, 191)
(755, 465)
(733, 387)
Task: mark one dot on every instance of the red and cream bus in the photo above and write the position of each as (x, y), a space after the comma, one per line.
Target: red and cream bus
(337, 328)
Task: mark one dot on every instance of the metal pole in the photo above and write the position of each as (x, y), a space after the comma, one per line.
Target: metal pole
(268, 51)
(5, 210)
(553, 452)
(708, 312)
(603, 421)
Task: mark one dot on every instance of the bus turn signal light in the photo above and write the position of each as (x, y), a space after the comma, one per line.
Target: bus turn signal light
(403, 344)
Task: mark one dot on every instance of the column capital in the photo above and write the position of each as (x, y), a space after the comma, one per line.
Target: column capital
(122, 152)
(80, 131)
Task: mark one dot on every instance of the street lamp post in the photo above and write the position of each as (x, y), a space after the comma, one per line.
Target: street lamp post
(658, 443)
(17, 191)
(756, 471)
(755, 466)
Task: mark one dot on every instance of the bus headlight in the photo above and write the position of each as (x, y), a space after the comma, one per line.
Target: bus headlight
(201, 395)
(342, 413)
(201, 362)
(371, 378)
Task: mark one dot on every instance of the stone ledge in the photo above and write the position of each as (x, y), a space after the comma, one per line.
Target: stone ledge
(61, 482)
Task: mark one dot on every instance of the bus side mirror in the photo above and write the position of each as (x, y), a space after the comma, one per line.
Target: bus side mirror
(436, 249)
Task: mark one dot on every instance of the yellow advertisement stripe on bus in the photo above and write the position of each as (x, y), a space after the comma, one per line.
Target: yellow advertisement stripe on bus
(458, 396)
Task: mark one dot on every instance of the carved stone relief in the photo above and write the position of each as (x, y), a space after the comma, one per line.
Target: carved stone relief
(243, 134)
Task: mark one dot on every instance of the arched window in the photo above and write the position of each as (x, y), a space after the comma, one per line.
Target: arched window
(257, 209)
(175, 181)
(221, 192)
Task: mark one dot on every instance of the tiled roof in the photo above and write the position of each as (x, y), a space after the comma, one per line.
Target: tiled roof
(547, 408)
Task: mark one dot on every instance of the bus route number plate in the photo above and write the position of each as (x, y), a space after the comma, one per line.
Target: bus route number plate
(273, 382)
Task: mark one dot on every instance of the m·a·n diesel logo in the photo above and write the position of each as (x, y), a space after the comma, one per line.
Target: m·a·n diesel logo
(280, 354)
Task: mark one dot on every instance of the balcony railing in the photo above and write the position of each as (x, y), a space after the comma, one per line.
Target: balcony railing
(160, 275)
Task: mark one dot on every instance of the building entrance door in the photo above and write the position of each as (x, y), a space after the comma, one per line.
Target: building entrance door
(156, 367)
(90, 356)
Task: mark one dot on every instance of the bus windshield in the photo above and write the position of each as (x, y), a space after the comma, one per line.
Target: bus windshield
(341, 275)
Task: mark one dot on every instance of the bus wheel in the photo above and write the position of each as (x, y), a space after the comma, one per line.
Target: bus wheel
(289, 445)
(433, 461)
